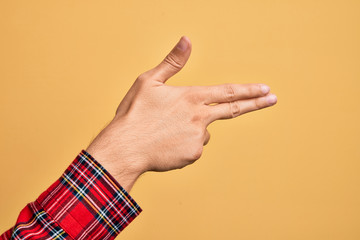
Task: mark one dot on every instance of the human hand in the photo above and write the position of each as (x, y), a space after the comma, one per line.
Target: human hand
(158, 127)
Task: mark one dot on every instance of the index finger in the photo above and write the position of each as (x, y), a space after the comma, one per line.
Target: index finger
(237, 108)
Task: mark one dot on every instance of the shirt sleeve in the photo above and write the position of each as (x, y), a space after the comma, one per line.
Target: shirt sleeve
(86, 202)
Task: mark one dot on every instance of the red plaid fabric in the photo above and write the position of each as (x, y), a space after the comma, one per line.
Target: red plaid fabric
(86, 202)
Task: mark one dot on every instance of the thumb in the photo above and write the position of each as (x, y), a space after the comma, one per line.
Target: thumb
(174, 61)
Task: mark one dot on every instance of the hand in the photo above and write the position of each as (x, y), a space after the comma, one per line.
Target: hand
(158, 127)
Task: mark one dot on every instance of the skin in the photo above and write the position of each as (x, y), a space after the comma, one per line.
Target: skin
(158, 127)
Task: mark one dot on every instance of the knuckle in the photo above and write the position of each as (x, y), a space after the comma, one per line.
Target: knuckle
(207, 138)
(173, 61)
(196, 118)
(196, 149)
(142, 77)
(200, 117)
(258, 103)
(234, 109)
(197, 153)
(192, 98)
(229, 92)
(252, 91)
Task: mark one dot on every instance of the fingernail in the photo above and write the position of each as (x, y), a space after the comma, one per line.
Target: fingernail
(272, 99)
(265, 89)
(182, 44)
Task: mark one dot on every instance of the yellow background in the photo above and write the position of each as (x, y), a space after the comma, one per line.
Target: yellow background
(287, 172)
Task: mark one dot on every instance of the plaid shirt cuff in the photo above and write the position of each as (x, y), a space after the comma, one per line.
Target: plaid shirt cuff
(87, 202)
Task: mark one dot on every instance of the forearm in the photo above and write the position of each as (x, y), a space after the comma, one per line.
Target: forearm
(86, 202)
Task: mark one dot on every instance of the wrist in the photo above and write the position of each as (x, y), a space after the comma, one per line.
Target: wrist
(111, 154)
(123, 173)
